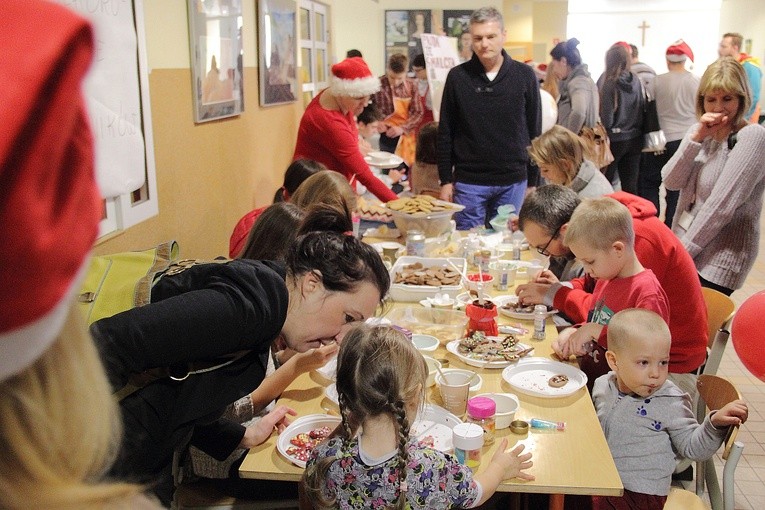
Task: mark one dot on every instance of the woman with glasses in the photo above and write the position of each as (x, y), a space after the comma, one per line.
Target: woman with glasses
(328, 132)
(559, 154)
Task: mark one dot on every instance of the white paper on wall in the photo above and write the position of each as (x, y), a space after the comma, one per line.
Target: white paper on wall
(113, 95)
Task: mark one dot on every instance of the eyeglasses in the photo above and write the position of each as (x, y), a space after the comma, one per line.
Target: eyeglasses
(543, 249)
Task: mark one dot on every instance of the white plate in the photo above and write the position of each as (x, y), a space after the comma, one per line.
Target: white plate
(530, 376)
(392, 162)
(433, 421)
(520, 315)
(302, 425)
(465, 298)
(453, 348)
(437, 422)
(329, 370)
(331, 393)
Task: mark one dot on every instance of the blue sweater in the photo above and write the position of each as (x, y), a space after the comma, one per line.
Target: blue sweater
(485, 126)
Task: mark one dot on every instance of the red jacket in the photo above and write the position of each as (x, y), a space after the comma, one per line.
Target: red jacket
(659, 250)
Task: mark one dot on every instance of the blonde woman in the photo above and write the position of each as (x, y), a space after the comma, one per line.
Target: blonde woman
(719, 170)
(60, 430)
(59, 425)
(560, 155)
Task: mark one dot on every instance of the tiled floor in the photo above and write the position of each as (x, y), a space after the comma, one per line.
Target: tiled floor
(750, 473)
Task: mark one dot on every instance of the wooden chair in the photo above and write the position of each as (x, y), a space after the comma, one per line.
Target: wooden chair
(720, 312)
(714, 392)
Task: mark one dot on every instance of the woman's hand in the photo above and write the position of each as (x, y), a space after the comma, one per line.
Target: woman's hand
(315, 358)
(711, 124)
(259, 432)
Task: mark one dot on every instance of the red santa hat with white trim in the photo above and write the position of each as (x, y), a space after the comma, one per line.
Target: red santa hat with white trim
(352, 78)
(49, 204)
(678, 51)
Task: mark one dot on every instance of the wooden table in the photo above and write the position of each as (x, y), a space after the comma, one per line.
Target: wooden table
(576, 461)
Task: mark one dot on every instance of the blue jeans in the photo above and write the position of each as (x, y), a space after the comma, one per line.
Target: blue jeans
(481, 202)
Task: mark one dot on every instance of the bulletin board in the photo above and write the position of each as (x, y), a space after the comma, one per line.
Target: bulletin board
(403, 30)
(117, 95)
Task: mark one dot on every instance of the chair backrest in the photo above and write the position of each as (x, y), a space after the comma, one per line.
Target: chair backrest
(716, 392)
(720, 310)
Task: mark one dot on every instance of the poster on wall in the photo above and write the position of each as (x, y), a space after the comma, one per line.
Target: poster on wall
(404, 30)
(440, 56)
(215, 32)
(277, 27)
(457, 24)
(115, 100)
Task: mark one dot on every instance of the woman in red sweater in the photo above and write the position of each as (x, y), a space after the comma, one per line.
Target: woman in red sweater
(328, 132)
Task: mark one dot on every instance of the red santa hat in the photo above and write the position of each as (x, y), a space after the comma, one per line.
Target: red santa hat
(49, 205)
(352, 78)
(624, 45)
(678, 51)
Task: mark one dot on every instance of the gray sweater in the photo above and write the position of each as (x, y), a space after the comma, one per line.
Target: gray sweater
(645, 434)
(578, 104)
(590, 181)
(724, 188)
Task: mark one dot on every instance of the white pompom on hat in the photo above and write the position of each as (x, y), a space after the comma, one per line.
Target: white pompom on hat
(352, 78)
(678, 51)
(50, 206)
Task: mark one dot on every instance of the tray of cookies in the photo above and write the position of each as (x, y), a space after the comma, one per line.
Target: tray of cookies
(416, 278)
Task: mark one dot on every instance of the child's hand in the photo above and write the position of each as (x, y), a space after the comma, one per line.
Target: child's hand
(256, 434)
(560, 345)
(531, 293)
(732, 413)
(315, 358)
(512, 462)
(545, 276)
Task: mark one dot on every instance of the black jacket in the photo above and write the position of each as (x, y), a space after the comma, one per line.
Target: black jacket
(485, 126)
(202, 313)
(621, 107)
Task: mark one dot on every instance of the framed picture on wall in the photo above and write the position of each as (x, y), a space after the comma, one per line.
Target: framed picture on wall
(277, 55)
(215, 32)
(404, 27)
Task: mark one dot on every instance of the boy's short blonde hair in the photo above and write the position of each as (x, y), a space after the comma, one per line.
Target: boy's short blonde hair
(632, 321)
(599, 223)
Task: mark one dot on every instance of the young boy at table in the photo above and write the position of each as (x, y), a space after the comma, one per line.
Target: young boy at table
(645, 417)
(601, 235)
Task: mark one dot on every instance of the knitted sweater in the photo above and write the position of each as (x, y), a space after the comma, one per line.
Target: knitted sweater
(723, 189)
(644, 433)
(579, 103)
(331, 138)
(485, 126)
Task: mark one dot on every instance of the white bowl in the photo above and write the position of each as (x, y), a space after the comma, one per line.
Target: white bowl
(507, 405)
(432, 370)
(425, 343)
(475, 383)
(379, 156)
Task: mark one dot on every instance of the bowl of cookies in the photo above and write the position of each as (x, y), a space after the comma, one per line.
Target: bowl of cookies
(423, 212)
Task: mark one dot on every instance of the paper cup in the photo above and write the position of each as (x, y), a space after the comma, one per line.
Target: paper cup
(455, 388)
